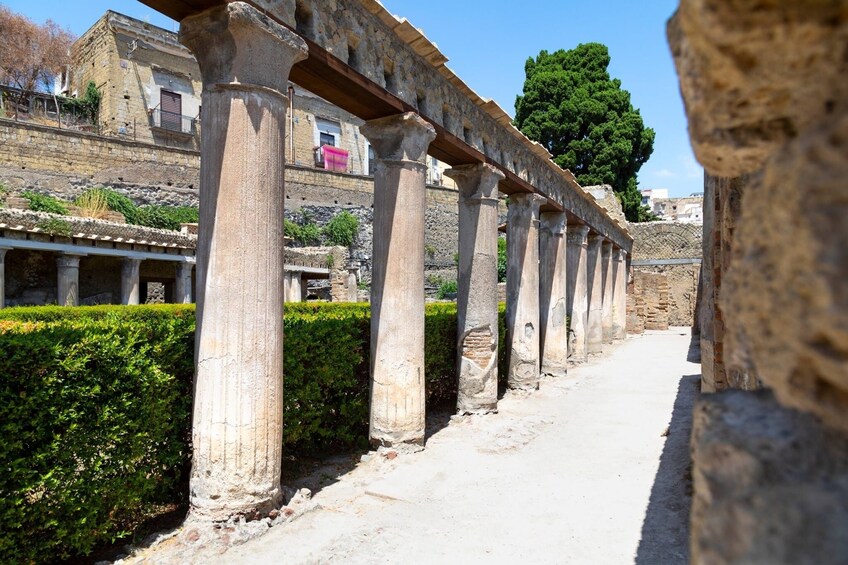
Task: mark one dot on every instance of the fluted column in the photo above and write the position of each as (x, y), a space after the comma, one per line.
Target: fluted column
(3, 251)
(477, 287)
(244, 59)
(553, 294)
(619, 307)
(522, 290)
(68, 280)
(608, 275)
(183, 285)
(130, 291)
(595, 285)
(397, 285)
(578, 293)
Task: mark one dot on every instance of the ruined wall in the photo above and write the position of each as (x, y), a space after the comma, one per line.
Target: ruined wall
(765, 88)
(65, 163)
(674, 250)
(651, 293)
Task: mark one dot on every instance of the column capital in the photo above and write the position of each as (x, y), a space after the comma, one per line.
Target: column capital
(554, 223)
(530, 199)
(619, 254)
(402, 137)
(476, 182)
(237, 44)
(577, 234)
(596, 238)
(68, 261)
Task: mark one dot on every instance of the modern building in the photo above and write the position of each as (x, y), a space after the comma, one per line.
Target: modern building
(151, 91)
(689, 209)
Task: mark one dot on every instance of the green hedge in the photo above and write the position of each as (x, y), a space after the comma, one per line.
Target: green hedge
(95, 409)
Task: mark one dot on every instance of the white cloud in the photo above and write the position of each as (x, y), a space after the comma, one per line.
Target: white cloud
(665, 174)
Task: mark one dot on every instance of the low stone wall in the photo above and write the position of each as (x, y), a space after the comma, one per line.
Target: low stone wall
(651, 295)
(65, 163)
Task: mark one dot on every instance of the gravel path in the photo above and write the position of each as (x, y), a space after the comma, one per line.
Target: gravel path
(591, 469)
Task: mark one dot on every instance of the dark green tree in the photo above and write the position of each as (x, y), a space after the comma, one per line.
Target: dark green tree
(586, 121)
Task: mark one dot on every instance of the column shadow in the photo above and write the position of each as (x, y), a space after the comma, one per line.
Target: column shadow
(665, 530)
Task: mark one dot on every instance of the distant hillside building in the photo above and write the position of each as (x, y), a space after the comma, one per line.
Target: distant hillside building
(151, 89)
(689, 209)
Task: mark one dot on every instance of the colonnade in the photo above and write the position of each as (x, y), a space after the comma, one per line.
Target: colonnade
(67, 280)
(237, 435)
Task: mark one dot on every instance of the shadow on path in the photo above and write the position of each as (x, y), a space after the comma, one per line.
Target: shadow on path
(665, 531)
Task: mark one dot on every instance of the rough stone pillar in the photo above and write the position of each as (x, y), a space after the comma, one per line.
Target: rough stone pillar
(608, 274)
(352, 283)
(245, 59)
(3, 251)
(397, 284)
(522, 289)
(553, 294)
(477, 288)
(68, 283)
(619, 305)
(129, 281)
(595, 286)
(182, 288)
(578, 294)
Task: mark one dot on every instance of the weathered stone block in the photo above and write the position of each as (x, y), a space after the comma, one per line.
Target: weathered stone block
(771, 484)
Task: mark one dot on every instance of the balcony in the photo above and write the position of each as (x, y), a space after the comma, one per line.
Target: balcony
(173, 123)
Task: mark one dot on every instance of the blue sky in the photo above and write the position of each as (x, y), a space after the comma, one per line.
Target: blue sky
(488, 42)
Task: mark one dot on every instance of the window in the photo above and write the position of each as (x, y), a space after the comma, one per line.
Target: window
(171, 109)
(372, 165)
(327, 132)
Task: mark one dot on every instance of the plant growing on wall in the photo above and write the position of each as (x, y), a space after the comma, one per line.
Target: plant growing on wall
(342, 229)
(501, 259)
(43, 203)
(86, 106)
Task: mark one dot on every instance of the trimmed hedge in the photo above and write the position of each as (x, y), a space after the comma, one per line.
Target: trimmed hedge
(95, 409)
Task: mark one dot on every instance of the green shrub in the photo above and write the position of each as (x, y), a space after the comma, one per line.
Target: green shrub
(55, 226)
(307, 234)
(310, 234)
(95, 416)
(43, 203)
(95, 407)
(342, 229)
(502, 259)
(446, 288)
(117, 202)
(162, 217)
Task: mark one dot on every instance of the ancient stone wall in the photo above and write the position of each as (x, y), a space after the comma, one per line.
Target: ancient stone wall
(65, 163)
(651, 292)
(675, 250)
(765, 90)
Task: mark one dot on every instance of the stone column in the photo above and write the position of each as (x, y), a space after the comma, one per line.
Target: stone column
(397, 284)
(608, 275)
(522, 290)
(3, 251)
(578, 293)
(244, 59)
(477, 287)
(68, 283)
(129, 281)
(553, 294)
(619, 305)
(595, 285)
(182, 288)
(293, 286)
(352, 282)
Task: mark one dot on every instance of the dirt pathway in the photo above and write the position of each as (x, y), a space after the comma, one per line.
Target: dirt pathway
(590, 469)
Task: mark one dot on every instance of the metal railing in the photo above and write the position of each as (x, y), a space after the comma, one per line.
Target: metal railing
(173, 122)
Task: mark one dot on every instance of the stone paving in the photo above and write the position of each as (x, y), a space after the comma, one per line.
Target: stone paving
(593, 468)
